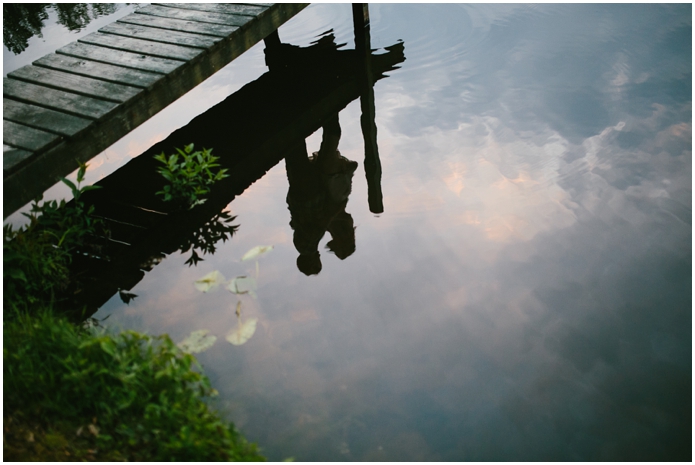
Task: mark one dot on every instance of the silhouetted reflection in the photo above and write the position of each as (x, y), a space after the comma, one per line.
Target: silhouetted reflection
(22, 21)
(204, 239)
(304, 91)
(317, 197)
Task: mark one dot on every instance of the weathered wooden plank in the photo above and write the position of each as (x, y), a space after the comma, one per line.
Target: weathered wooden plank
(43, 118)
(78, 84)
(160, 35)
(103, 71)
(225, 8)
(147, 47)
(24, 137)
(215, 30)
(192, 15)
(12, 156)
(67, 102)
(118, 57)
(40, 171)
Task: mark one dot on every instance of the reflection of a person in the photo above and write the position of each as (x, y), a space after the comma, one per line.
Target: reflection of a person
(318, 194)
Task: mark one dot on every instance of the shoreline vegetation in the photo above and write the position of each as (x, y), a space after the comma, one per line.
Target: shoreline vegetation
(74, 392)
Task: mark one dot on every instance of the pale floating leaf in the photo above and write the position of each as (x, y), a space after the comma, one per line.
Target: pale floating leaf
(242, 285)
(256, 252)
(242, 332)
(197, 342)
(209, 282)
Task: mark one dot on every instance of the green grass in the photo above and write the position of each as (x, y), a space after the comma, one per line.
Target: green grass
(81, 394)
(75, 394)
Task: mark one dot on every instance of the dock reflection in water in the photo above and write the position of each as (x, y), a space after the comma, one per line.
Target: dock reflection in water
(251, 131)
(527, 292)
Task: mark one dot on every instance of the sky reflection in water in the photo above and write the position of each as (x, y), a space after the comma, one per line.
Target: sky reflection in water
(526, 294)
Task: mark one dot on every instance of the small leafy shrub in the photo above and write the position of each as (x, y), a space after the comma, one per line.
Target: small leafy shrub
(76, 394)
(189, 174)
(36, 256)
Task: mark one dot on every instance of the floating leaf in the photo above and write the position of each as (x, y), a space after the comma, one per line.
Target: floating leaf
(256, 252)
(209, 282)
(242, 332)
(243, 285)
(197, 342)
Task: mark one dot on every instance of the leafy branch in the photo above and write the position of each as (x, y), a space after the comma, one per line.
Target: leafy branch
(189, 174)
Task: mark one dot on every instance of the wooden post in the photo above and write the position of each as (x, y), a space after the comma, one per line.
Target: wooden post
(372, 164)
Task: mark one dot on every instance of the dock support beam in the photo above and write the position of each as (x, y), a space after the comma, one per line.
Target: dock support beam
(372, 164)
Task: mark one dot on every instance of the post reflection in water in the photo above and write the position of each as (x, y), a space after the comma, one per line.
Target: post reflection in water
(527, 293)
(303, 92)
(317, 197)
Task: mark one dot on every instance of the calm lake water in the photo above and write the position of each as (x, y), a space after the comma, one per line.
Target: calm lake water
(526, 293)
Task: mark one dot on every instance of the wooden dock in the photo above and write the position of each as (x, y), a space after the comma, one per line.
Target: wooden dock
(71, 105)
(303, 89)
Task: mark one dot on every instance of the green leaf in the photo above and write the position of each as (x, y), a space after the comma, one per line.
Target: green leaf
(108, 346)
(209, 282)
(256, 252)
(197, 342)
(242, 285)
(243, 332)
(69, 183)
(81, 171)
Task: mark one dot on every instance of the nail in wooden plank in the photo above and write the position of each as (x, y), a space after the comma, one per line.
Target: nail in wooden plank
(160, 35)
(225, 8)
(68, 102)
(103, 71)
(24, 137)
(147, 47)
(192, 15)
(215, 30)
(118, 57)
(43, 118)
(73, 83)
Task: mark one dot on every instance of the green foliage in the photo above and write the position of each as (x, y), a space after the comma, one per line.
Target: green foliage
(189, 175)
(74, 393)
(21, 21)
(85, 394)
(36, 256)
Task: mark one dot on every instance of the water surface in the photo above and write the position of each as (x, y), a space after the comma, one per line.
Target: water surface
(526, 293)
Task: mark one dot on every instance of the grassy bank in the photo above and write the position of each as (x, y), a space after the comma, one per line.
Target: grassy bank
(76, 394)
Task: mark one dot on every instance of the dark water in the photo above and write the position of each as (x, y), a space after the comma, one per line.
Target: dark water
(526, 293)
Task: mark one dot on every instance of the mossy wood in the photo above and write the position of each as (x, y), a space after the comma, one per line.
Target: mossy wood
(70, 105)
